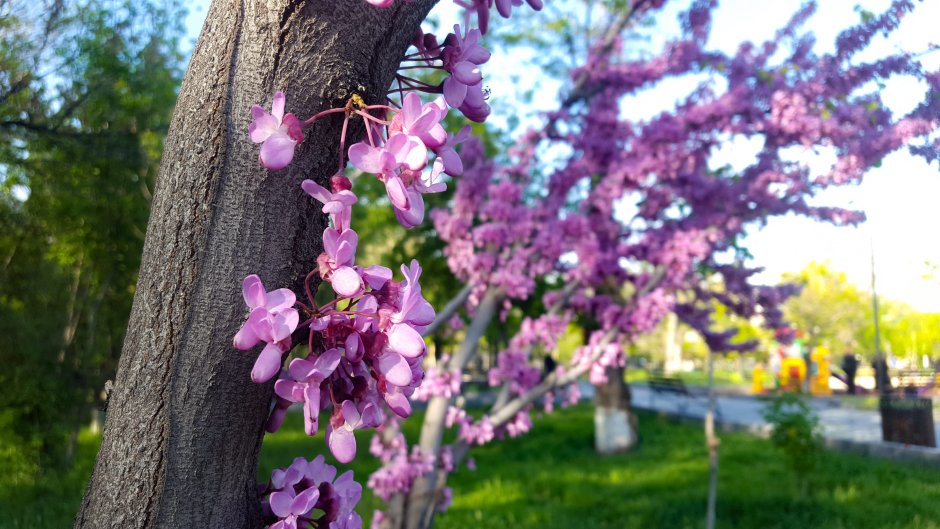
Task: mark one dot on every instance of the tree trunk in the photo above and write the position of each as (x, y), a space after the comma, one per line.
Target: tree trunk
(185, 422)
(672, 345)
(712, 443)
(416, 511)
(614, 423)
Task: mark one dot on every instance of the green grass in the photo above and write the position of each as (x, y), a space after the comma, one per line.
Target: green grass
(723, 379)
(552, 479)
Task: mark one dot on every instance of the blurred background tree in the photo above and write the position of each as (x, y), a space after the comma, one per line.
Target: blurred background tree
(86, 93)
(834, 313)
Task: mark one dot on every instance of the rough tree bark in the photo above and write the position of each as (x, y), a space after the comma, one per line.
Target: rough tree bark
(185, 422)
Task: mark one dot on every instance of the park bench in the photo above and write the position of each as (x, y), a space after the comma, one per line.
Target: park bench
(666, 385)
(916, 381)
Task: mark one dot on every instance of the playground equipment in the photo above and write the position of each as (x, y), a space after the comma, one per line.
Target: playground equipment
(757, 380)
(792, 373)
(819, 371)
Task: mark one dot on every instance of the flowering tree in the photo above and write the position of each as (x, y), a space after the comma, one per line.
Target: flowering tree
(346, 338)
(558, 220)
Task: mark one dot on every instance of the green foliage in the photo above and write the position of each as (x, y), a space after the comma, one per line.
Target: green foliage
(796, 433)
(834, 313)
(86, 92)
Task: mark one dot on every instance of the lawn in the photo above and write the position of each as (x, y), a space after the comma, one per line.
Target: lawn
(723, 379)
(552, 479)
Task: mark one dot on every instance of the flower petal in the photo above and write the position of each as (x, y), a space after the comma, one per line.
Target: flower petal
(396, 192)
(398, 403)
(280, 299)
(277, 106)
(467, 73)
(253, 291)
(414, 215)
(277, 151)
(305, 501)
(395, 369)
(406, 341)
(262, 127)
(326, 363)
(289, 390)
(280, 502)
(410, 109)
(311, 408)
(267, 365)
(454, 92)
(316, 191)
(376, 276)
(285, 323)
(366, 158)
(342, 443)
(346, 282)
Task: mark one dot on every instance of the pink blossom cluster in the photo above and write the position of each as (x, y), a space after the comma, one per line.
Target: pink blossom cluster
(371, 351)
(571, 396)
(395, 151)
(482, 431)
(495, 236)
(513, 368)
(439, 382)
(309, 493)
(481, 8)
(399, 468)
(397, 154)
(600, 354)
(542, 331)
(504, 7)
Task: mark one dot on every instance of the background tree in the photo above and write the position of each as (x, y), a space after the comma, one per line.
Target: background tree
(833, 312)
(86, 90)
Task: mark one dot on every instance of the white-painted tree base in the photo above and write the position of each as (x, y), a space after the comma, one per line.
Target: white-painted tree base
(612, 430)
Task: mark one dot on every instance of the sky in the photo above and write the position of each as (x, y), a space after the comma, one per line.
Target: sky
(901, 198)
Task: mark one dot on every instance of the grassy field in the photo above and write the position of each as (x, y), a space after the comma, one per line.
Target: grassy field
(723, 379)
(552, 479)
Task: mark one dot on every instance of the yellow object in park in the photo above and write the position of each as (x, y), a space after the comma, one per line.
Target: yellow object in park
(757, 380)
(819, 383)
(792, 373)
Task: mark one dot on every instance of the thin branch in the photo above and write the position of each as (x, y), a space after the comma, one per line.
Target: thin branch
(448, 311)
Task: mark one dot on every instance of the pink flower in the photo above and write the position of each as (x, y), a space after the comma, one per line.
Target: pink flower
(338, 205)
(385, 161)
(336, 261)
(414, 215)
(421, 122)
(449, 159)
(414, 308)
(277, 133)
(345, 421)
(272, 319)
(308, 376)
(464, 88)
(288, 507)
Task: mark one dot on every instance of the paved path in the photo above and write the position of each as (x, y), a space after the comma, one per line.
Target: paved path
(845, 428)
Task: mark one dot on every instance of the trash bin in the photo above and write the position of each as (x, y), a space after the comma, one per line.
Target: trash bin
(907, 420)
